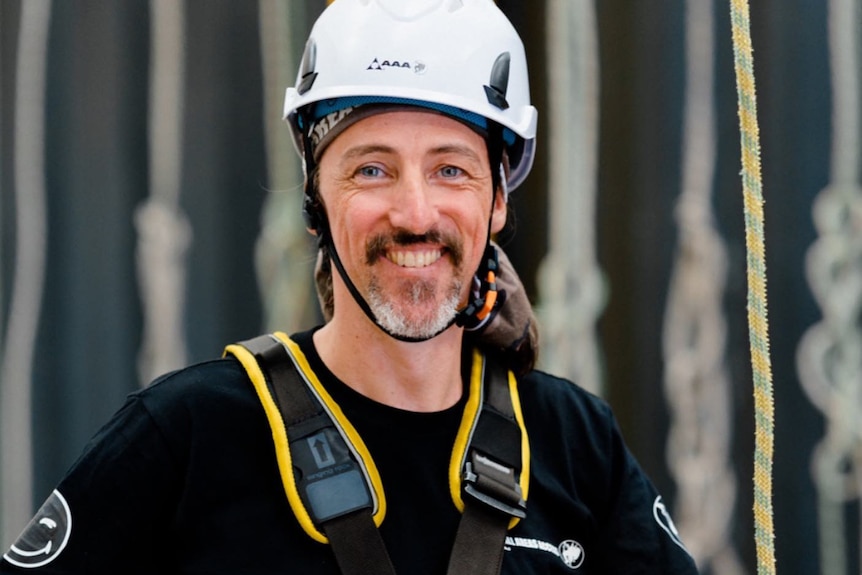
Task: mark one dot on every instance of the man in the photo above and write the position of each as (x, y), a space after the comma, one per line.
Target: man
(431, 445)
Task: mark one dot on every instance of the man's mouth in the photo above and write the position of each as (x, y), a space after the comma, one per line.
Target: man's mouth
(414, 259)
(407, 250)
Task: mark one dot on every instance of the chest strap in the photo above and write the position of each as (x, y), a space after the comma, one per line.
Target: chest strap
(334, 488)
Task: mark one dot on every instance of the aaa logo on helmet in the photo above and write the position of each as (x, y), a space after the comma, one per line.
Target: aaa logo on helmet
(377, 64)
(45, 536)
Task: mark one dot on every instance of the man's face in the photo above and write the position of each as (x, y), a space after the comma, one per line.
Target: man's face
(408, 198)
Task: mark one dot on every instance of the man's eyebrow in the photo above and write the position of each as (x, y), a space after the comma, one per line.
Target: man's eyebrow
(458, 149)
(366, 149)
(363, 150)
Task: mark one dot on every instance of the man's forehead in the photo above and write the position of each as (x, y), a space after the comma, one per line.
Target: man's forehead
(324, 131)
(415, 130)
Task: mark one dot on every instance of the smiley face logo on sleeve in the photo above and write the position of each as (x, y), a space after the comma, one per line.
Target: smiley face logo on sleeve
(45, 536)
(663, 518)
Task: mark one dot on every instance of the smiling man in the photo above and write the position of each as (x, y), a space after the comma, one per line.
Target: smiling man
(410, 433)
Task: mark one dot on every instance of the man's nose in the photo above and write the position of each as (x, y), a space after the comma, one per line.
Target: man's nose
(414, 205)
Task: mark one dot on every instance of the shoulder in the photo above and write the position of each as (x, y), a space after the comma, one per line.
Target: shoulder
(197, 400)
(571, 429)
(200, 384)
(177, 420)
(579, 461)
(557, 398)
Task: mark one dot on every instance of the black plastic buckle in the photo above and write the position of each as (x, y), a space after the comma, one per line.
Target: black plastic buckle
(329, 479)
(494, 485)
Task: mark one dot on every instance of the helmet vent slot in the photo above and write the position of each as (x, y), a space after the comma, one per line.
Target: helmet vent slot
(499, 84)
(306, 70)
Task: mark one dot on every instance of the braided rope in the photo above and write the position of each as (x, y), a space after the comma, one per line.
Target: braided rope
(572, 288)
(697, 385)
(164, 234)
(28, 280)
(829, 360)
(756, 264)
(282, 249)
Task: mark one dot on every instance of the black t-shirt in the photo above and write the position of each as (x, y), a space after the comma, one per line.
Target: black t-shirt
(184, 480)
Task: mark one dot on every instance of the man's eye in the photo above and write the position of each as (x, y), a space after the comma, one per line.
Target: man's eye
(451, 171)
(370, 171)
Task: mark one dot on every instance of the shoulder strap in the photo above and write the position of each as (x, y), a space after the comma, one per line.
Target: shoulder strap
(327, 465)
(491, 479)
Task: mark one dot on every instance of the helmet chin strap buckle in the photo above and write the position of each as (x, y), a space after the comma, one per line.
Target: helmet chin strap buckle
(485, 299)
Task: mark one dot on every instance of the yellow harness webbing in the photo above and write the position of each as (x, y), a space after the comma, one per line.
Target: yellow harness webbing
(281, 440)
(475, 404)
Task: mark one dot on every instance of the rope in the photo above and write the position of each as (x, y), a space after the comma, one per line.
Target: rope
(16, 370)
(572, 287)
(828, 358)
(756, 271)
(282, 261)
(696, 382)
(164, 232)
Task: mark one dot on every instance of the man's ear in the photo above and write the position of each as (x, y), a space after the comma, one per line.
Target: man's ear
(311, 215)
(312, 205)
(499, 211)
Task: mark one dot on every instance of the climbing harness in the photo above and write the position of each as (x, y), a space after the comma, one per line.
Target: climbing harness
(337, 495)
(756, 264)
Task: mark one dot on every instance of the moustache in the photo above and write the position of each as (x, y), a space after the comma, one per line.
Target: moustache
(378, 245)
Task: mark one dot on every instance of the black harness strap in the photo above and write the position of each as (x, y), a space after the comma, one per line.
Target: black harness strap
(355, 540)
(491, 473)
(358, 546)
(478, 548)
(294, 402)
(491, 480)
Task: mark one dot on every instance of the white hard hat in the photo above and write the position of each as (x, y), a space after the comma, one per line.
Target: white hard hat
(460, 57)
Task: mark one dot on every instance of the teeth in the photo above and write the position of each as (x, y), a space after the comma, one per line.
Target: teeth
(414, 259)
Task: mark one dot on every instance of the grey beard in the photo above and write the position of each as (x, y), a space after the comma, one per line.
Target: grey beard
(391, 318)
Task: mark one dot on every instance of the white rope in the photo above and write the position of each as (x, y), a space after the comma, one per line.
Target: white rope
(16, 449)
(829, 356)
(283, 252)
(164, 233)
(696, 383)
(572, 287)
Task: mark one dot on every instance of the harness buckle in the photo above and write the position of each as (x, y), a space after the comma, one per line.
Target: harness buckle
(494, 484)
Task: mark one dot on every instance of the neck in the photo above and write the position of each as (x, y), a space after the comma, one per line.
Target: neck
(415, 376)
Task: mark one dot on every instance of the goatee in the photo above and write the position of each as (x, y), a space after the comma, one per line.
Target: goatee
(396, 312)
